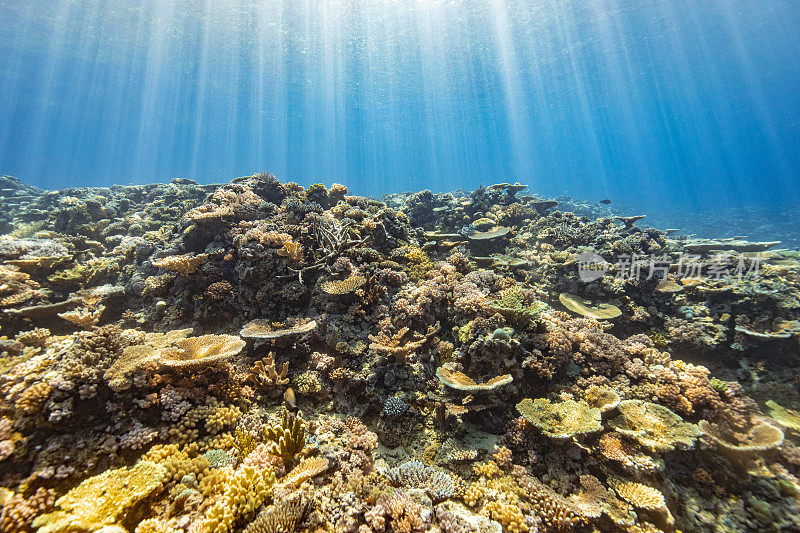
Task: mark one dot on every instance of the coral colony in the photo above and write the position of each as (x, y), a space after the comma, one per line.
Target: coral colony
(267, 358)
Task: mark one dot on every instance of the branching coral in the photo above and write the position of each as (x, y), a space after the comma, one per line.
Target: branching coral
(288, 437)
(246, 490)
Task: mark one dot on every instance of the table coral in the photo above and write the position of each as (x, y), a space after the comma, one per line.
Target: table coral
(654, 426)
(561, 420)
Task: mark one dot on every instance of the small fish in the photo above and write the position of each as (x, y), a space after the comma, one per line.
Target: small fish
(606, 201)
(289, 398)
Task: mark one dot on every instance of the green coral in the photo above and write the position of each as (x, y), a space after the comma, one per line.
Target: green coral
(289, 438)
(245, 442)
(317, 193)
(94, 272)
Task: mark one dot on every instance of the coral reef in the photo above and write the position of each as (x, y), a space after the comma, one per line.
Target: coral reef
(258, 356)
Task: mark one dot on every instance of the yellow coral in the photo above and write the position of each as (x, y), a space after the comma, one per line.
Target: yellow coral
(307, 469)
(247, 489)
(561, 420)
(199, 351)
(507, 514)
(488, 469)
(103, 499)
(182, 264)
(640, 496)
(473, 494)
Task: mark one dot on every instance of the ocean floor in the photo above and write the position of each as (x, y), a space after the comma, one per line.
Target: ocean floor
(257, 356)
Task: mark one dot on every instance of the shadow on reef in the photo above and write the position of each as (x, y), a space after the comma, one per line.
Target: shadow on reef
(262, 357)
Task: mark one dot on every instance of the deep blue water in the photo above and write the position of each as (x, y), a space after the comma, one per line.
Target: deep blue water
(659, 105)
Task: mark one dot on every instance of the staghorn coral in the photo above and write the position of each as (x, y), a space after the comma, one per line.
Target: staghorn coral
(395, 345)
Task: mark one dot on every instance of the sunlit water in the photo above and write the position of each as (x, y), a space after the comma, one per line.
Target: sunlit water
(661, 106)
